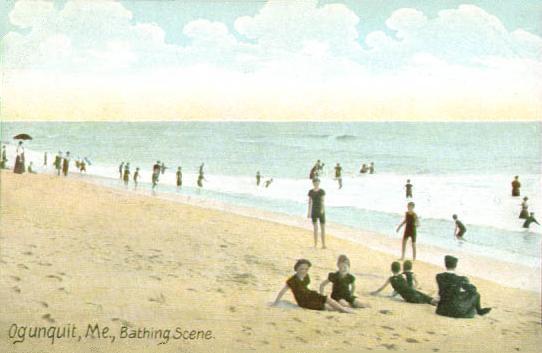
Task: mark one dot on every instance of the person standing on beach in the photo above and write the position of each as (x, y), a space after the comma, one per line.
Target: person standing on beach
(179, 178)
(83, 166)
(408, 189)
(530, 220)
(338, 175)
(19, 168)
(3, 158)
(411, 224)
(126, 175)
(460, 228)
(458, 298)
(258, 178)
(524, 214)
(136, 177)
(66, 164)
(121, 170)
(316, 211)
(45, 159)
(58, 163)
(155, 174)
(516, 185)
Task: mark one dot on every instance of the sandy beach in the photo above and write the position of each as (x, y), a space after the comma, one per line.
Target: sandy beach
(73, 254)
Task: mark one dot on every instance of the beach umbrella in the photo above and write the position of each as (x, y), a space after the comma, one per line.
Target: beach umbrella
(22, 137)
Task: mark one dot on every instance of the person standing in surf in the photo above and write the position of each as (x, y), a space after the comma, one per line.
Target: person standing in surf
(58, 163)
(372, 168)
(126, 175)
(411, 224)
(45, 159)
(460, 228)
(258, 178)
(316, 211)
(338, 175)
(66, 164)
(530, 220)
(179, 178)
(4, 158)
(121, 170)
(408, 189)
(516, 185)
(524, 214)
(155, 174)
(136, 177)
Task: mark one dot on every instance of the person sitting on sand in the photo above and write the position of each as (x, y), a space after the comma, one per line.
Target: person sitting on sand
(524, 214)
(268, 182)
(30, 168)
(411, 224)
(305, 297)
(400, 285)
(343, 284)
(458, 298)
(316, 211)
(410, 277)
(516, 185)
(460, 228)
(530, 220)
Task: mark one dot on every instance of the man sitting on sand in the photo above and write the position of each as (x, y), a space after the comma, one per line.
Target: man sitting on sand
(458, 298)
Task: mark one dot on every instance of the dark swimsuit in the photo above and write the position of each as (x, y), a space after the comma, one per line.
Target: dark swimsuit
(409, 278)
(341, 286)
(410, 226)
(524, 214)
(306, 298)
(409, 294)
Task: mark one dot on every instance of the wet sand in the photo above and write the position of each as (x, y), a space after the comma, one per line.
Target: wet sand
(76, 253)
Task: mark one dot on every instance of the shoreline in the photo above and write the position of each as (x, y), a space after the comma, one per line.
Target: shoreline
(508, 274)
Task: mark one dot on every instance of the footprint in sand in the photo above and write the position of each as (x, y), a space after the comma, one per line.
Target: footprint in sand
(48, 318)
(388, 328)
(55, 277)
(28, 253)
(301, 339)
(430, 332)
(161, 299)
(23, 266)
(155, 277)
(44, 304)
(391, 347)
(44, 264)
(232, 309)
(411, 340)
(15, 278)
(16, 289)
(385, 311)
(297, 319)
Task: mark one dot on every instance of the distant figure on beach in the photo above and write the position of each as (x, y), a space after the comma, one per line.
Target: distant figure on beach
(58, 163)
(530, 220)
(201, 168)
(411, 224)
(258, 178)
(344, 285)
(268, 182)
(410, 277)
(313, 173)
(66, 164)
(126, 174)
(155, 174)
(316, 211)
(30, 168)
(121, 170)
(460, 228)
(316, 170)
(524, 214)
(364, 169)
(401, 286)
(338, 175)
(3, 158)
(458, 298)
(372, 168)
(305, 297)
(163, 168)
(83, 165)
(408, 189)
(45, 159)
(136, 177)
(179, 176)
(201, 178)
(516, 185)
(19, 168)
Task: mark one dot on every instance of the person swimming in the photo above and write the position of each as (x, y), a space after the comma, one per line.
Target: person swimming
(460, 228)
(411, 224)
(305, 297)
(530, 220)
(400, 285)
(408, 189)
(524, 214)
(343, 284)
(516, 185)
(338, 175)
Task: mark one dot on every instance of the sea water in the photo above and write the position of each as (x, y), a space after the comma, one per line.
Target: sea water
(461, 168)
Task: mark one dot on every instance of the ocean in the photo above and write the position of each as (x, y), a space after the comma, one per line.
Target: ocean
(461, 168)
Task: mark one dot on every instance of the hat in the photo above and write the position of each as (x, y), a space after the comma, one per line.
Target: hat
(450, 261)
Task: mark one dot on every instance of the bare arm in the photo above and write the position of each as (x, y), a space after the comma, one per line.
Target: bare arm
(400, 226)
(416, 283)
(323, 285)
(281, 293)
(322, 210)
(309, 210)
(353, 288)
(381, 288)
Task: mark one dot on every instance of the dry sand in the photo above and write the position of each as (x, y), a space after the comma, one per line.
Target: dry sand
(76, 253)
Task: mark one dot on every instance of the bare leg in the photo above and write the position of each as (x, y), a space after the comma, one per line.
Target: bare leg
(413, 250)
(332, 305)
(403, 249)
(323, 234)
(358, 304)
(315, 230)
(345, 303)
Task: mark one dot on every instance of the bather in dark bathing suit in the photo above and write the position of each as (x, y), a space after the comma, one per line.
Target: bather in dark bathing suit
(410, 226)
(341, 286)
(409, 294)
(409, 278)
(306, 298)
(462, 229)
(317, 204)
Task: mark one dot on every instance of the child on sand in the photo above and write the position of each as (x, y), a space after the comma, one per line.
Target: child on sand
(400, 285)
(460, 228)
(411, 223)
(306, 298)
(343, 284)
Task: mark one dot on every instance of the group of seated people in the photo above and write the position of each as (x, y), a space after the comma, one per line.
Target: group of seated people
(457, 297)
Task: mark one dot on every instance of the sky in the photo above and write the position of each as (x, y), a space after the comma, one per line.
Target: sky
(279, 60)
